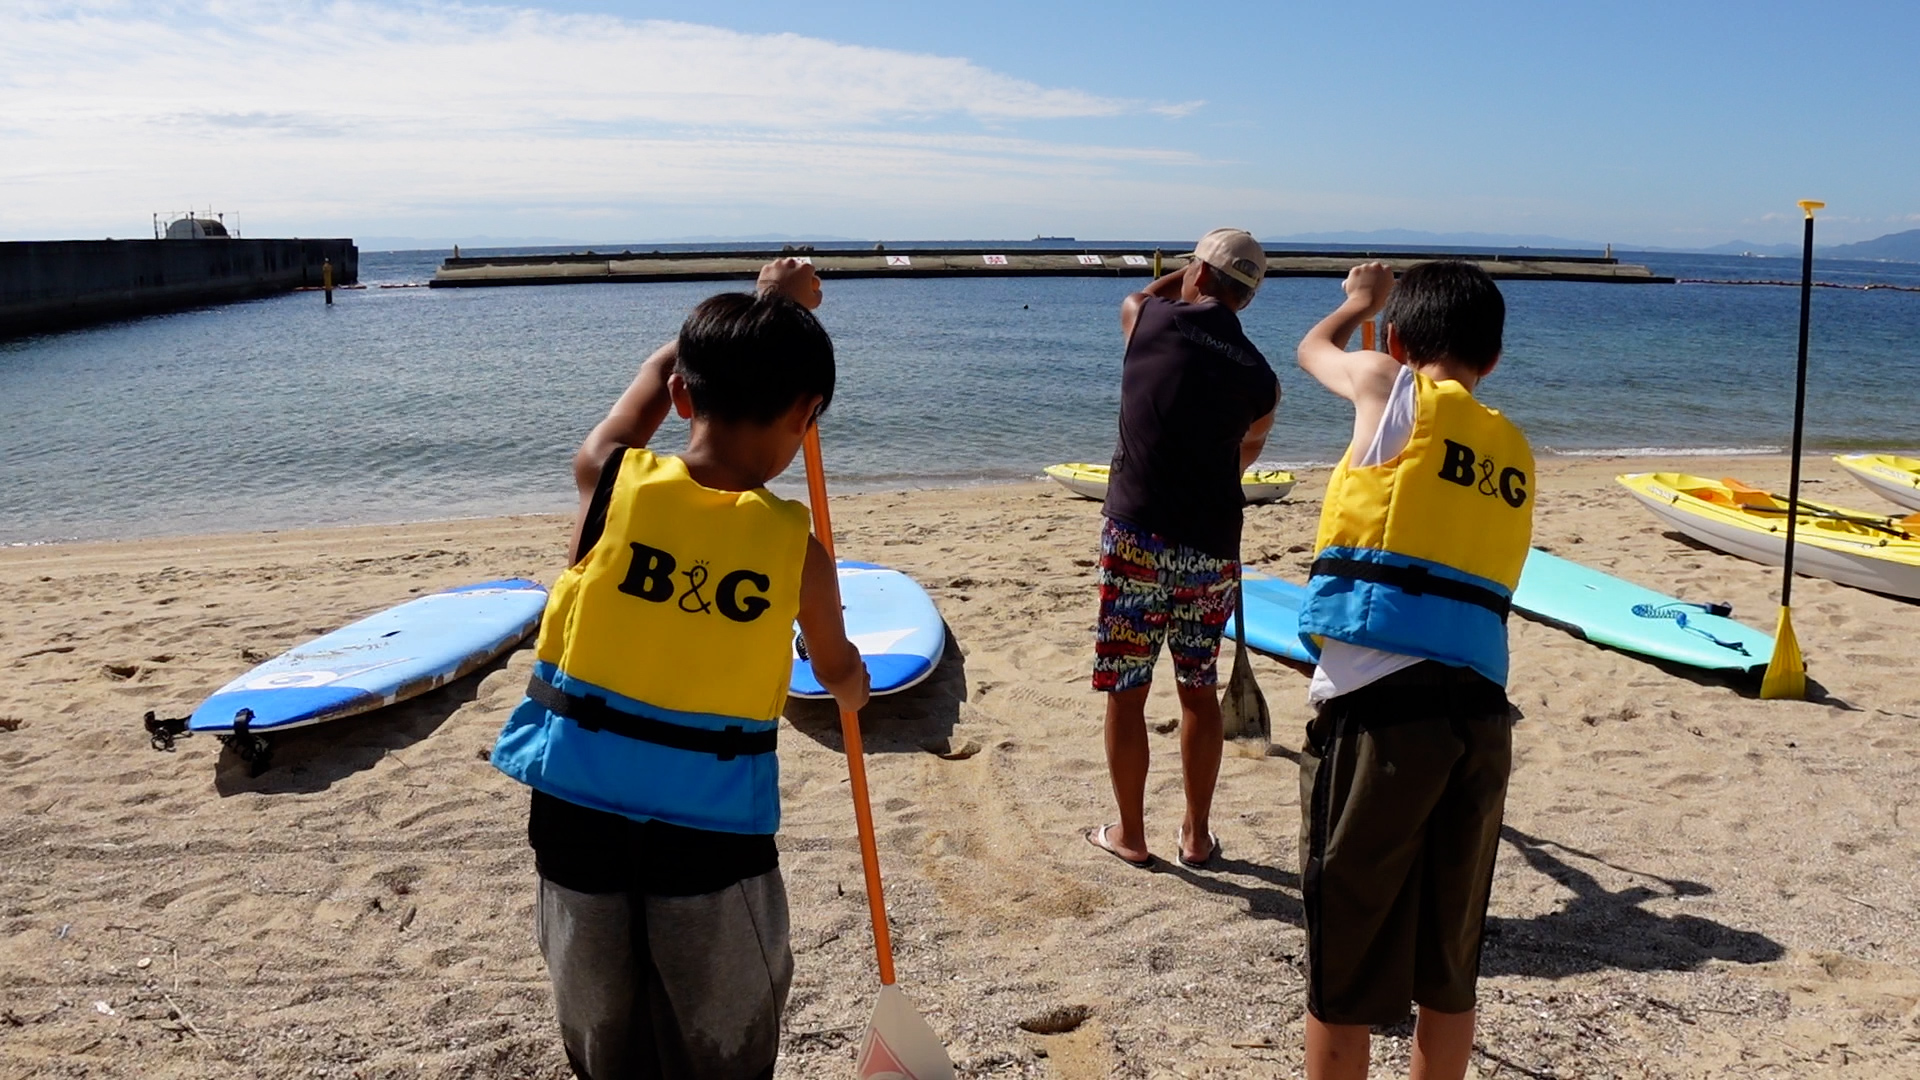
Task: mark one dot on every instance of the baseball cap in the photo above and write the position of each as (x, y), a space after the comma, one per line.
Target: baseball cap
(1235, 253)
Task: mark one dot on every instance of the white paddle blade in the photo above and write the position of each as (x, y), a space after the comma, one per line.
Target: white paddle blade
(899, 1045)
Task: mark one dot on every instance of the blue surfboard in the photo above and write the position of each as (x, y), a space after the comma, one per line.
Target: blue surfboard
(400, 653)
(1273, 615)
(891, 620)
(1608, 611)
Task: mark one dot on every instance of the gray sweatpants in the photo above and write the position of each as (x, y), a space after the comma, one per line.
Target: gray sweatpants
(665, 987)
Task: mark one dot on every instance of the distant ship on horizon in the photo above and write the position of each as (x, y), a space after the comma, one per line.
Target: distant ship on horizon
(1054, 240)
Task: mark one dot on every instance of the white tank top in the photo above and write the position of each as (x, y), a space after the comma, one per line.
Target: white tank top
(1345, 668)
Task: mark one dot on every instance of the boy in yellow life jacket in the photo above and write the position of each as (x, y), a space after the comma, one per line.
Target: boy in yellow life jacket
(1403, 777)
(647, 733)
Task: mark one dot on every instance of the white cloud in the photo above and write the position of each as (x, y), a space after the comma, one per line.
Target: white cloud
(348, 111)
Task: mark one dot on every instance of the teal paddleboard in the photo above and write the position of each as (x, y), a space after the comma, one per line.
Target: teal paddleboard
(1273, 615)
(1607, 611)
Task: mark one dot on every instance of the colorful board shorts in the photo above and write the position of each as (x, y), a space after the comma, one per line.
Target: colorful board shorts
(1153, 590)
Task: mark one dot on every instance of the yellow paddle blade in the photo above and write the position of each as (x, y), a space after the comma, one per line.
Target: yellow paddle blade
(1786, 678)
(1809, 206)
(899, 1045)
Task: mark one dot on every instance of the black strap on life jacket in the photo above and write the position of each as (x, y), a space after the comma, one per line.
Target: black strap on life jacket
(1414, 581)
(594, 714)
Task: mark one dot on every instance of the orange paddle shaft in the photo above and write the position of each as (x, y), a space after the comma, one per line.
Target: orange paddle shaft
(850, 734)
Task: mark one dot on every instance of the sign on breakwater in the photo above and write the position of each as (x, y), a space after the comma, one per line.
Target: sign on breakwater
(61, 284)
(932, 262)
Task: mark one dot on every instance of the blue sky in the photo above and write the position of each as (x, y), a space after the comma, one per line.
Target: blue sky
(1666, 124)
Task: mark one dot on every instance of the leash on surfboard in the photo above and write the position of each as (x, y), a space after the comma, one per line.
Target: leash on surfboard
(898, 1042)
(161, 733)
(1679, 611)
(248, 745)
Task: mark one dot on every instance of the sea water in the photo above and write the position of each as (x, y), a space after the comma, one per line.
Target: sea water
(400, 404)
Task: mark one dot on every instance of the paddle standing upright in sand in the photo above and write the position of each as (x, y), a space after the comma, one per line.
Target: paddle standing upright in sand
(1787, 672)
(898, 1043)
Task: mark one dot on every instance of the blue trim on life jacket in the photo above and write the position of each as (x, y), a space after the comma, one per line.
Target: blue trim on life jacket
(1379, 616)
(640, 780)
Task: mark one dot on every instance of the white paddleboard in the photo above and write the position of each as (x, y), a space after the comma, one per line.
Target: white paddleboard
(891, 620)
(400, 653)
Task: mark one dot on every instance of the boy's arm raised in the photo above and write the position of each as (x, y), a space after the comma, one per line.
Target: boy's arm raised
(836, 663)
(1356, 376)
(1364, 377)
(632, 420)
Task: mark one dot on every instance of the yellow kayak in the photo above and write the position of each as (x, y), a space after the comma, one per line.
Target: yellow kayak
(1090, 481)
(1890, 475)
(1854, 547)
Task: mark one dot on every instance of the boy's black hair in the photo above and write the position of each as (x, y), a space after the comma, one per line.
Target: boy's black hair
(748, 358)
(1448, 308)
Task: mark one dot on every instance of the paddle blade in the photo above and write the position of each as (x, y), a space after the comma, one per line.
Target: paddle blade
(1243, 709)
(1786, 677)
(899, 1045)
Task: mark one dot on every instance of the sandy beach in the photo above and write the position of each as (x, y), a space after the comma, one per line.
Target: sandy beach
(1694, 883)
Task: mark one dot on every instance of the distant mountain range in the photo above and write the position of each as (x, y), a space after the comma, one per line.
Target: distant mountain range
(1898, 247)
(1388, 238)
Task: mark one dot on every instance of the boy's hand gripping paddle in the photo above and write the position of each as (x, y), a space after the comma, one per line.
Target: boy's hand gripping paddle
(1786, 675)
(898, 1044)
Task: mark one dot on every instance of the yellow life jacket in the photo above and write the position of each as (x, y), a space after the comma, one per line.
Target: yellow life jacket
(665, 654)
(1420, 555)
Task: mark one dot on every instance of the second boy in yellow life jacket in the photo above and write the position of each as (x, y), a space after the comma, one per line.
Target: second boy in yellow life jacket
(1403, 778)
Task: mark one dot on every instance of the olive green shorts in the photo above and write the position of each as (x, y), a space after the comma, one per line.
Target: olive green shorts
(1402, 785)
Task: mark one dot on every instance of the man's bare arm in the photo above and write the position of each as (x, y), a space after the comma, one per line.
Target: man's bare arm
(1164, 287)
(1255, 440)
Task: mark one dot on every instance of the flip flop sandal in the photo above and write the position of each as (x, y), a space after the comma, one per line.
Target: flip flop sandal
(1098, 838)
(1180, 852)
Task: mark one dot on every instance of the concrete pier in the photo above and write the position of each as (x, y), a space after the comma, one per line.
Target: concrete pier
(927, 262)
(60, 284)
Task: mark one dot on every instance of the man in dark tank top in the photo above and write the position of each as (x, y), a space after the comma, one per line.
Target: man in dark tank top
(1196, 401)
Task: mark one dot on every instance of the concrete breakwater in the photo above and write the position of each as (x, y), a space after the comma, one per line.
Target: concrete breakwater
(925, 262)
(59, 284)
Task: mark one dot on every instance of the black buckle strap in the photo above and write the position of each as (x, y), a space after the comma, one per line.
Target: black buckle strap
(594, 714)
(1414, 581)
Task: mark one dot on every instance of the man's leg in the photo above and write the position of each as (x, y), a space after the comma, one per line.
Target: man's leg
(1203, 591)
(1132, 626)
(1338, 1051)
(1200, 748)
(1442, 1043)
(1127, 756)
